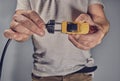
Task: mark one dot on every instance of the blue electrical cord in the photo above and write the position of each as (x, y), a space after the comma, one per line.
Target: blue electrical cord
(3, 55)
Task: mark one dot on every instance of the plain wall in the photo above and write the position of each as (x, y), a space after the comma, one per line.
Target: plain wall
(18, 60)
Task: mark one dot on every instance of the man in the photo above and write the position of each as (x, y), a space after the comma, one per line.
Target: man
(58, 56)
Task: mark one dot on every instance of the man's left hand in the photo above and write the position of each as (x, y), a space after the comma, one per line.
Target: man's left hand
(89, 40)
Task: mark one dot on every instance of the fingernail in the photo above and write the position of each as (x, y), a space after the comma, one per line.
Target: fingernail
(41, 33)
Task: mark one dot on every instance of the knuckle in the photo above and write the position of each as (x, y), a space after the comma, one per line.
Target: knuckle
(78, 46)
(31, 12)
(84, 16)
(15, 16)
(18, 10)
(99, 42)
(22, 38)
(69, 38)
(89, 44)
(38, 20)
(14, 24)
(83, 47)
(25, 21)
(6, 33)
(35, 29)
(85, 43)
(25, 37)
(86, 48)
(19, 18)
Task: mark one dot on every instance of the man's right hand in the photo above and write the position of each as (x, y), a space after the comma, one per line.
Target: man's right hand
(24, 24)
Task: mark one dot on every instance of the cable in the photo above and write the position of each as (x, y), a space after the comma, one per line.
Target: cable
(3, 55)
(50, 28)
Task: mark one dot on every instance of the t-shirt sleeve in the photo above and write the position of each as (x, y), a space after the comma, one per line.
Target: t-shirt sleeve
(96, 2)
(23, 4)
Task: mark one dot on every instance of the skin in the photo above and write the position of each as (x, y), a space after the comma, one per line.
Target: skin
(26, 23)
(95, 17)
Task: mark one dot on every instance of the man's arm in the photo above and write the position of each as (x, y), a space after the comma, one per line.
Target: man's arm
(98, 16)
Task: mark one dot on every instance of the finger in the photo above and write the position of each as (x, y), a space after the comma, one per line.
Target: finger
(80, 40)
(15, 26)
(76, 36)
(33, 16)
(79, 37)
(92, 44)
(80, 19)
(28, 24)
(89, 40)
(89, 20)
(15, 36)
(77, 44)
(84, 41)
(85, 18)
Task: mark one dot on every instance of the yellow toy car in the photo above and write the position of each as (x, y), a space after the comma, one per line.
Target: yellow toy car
(75, 28)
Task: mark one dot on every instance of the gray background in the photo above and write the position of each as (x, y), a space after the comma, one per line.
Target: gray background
(18, 61)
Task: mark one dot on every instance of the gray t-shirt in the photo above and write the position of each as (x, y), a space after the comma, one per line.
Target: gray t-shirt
(54, 54)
